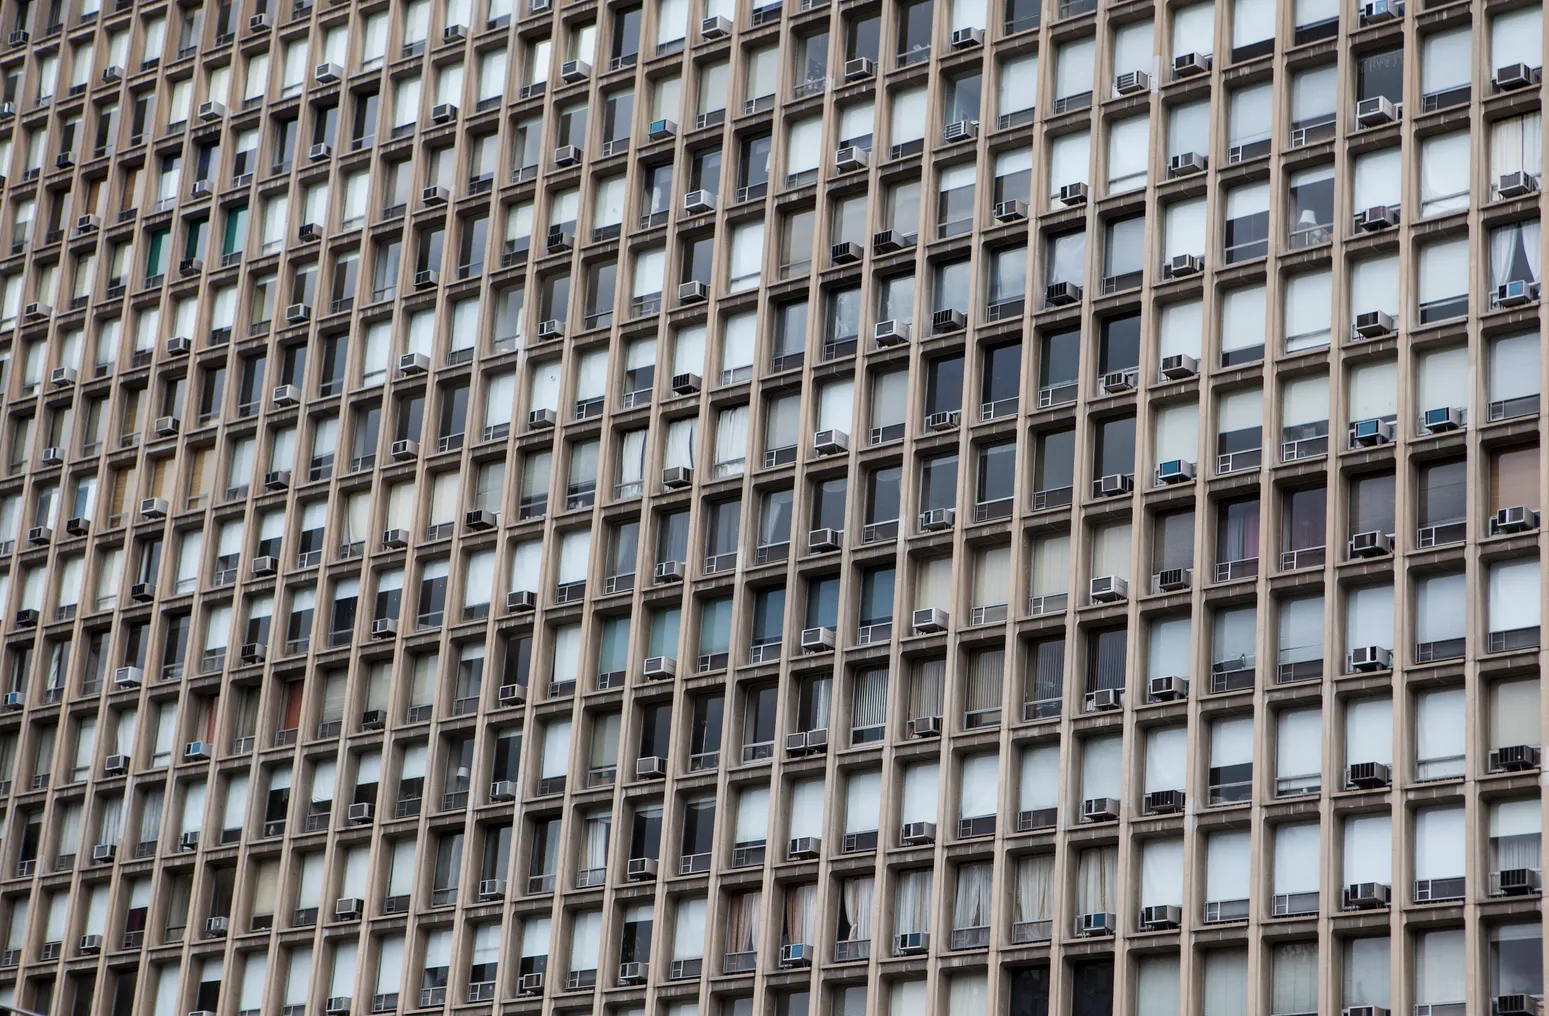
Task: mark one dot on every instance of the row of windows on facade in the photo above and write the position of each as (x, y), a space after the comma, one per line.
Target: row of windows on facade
(1082, 896)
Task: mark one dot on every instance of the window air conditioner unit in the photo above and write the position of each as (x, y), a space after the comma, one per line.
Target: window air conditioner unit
(479, 519)
(891, 333)
(1516, 293)
(1517, 75)
(1170, 580)
(1443, 419)
(1073, 194)
(1371, 433)
(685, 384)
(692, 291)
(153, 508)
(960, 130)
(640, 869)
(1374, 324)
(15, 700)
(77, 526)
(348, 909)
(1373, 544)
(1368, 775)
(847, 253)
(912, 943)
(948, 420)
(1109, 589)
(88, 223)
(804, 848)
(698, 201)
(1188, 65)
(858, 69)
(128, 677)
(115, 765)
(197, 751)
(1186, 164)
(1366, 896)
(1132, 82)
(1183, 265)
(660, 667)
(650, 767)
(677, 477)
(211, 111)
(632, 973)
(1100, 809)
(1114, 484)
(1368, 658)
(965, 37)
(1094, 925)
(929, 620)
(888, 240)
(327, 73)
(52, 457)
(413, 363)
(1513, 759)
(103, 853)
(949, 320)
(567, 155)
(521, 599)
(851, 158)
(1167, 689)
(1160, 917)
(188, 840)
(936, 519)
(823, 540)
(297, 313)
(1174, 471)
(113, 73)
(532, 984)
(1179, 366)
(913, 834)
(548, 329)
(337, 1005)
(1104, 699)
(1515, 185)
(443, 112)
(404, 450)
(817, 640)
(1375, 218)
(1117, 382)
(1382, 10)
(1514, 520)
(39, 535)
(397, 539)
(384, 628)
(360, 813)
(1163, 802)
(373, 719)
(1062, 294)
(258, 22)
(502, 790)
(1376, 111)
(319, 151)
(1518, 881)
(925, 726)
(286, 396)
(1516, 1005)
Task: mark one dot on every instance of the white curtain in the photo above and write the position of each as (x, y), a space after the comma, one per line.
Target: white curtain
(1097, 871)
(1296, 858)
(1227, 863)
(1369, 730)
(1368, 849)
(1035, 888)
(1161, 872)
(980, 786)
(1514, 595)
(1439, 843)
(1294, 978)
(1166, 758)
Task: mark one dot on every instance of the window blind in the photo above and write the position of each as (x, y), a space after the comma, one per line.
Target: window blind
(1296, 858)
(1166, 759)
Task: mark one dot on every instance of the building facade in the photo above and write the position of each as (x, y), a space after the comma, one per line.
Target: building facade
(838, 507)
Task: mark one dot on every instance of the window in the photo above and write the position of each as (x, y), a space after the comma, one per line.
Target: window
(1248, 116)
(1227, 863)
(1298, 756)
(1231, 761)
(1444, 174)
(1311, 206)
(1512, 380)
(1515, 142)
(1514, 263)
(1514, 605)
(1446, 68)
(1247, 222)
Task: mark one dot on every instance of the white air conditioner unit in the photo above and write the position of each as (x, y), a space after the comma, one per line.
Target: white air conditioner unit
(1095, 925)
(128, 677)
(337, 1005)
(115, 765)
(1179, 366)
(540, 418)
(1364, 658)
(1517, 519)
(802, 848)
(297, 313)
(1375, 218)
(936, 519)
(443, 112)
(960, 130)
(1010, 211)
(887, 241)
(1100, 809)
(925, 726)
(817, 640)
(384, 628)
(1515, 185)
(1104, 700)
(320, 151)
(830, 442)
(641, 869)
(327, 73)
(916, 833)
(521, 599)
(211, 111)
(1368, 775)
(1188, 65)
(88, 223)
(1443, 418)
(153, 508)
(1372, 544)
(1376, 111)
(1186, 164)
(660, 667)
(197, 751)
(1170, 580)
(435, 195)
(851, 158)
(858, 69)
(823, 540)
(575, 70)
(1374, 324)
(1371, 433)
(1158, 918)
(1117, 382)
(891, 333)
(1115, 484)
(1109, 589)
(661, 130)
(360, 812)
(698, 201)
(396, 539)
(947, 420)
(1072, 194)
(286, 396)
(1174, 471)
(178, 345)
(677, 477)
(1517, 75)
(964, 37)
(650, 767)
(1183, 265)
(928, 620)
(348, 909)
(1132, 82)
(1516, 293)
(567, 155)
(404, 450)
(1167, 689)
(1062, 294)
(1366, 895)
